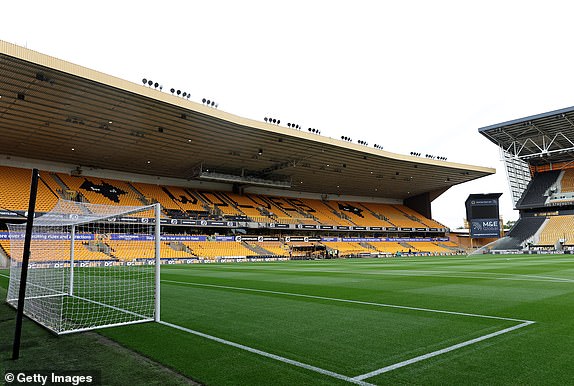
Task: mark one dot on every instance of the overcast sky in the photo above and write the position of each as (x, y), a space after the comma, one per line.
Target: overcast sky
(409, 75)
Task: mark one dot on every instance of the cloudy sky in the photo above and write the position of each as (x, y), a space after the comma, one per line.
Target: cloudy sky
(409, 75)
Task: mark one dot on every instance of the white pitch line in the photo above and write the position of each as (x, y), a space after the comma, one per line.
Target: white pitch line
(269, 355)
(349, 301)
(439, 352)
(450, 274)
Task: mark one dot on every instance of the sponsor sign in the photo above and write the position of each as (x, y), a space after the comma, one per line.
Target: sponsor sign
(301, 239)
(4, 213)
(259, 239)
(484, 228)
(225, 238)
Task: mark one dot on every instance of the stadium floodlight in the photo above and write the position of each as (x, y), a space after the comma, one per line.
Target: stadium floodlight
(91, 266)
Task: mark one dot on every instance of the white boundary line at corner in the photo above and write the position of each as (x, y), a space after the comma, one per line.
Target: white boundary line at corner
(523, 323)
(439, 352)
(269, 355)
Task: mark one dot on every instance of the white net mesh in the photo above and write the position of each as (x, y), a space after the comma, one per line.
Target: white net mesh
(112, 278)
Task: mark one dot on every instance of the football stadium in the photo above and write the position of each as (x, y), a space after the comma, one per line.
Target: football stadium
(175, 243)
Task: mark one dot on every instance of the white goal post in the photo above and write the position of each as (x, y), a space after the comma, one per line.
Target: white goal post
(91, 266)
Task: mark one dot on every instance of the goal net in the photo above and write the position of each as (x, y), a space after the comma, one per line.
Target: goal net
(91, 266)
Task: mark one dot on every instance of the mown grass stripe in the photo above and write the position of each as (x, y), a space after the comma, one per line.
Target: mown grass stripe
(348, 301)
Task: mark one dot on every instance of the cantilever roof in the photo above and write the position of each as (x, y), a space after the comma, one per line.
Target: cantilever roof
(538, 139)
(58, 111)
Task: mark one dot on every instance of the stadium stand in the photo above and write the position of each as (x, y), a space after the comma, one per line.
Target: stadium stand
(450, 245)
(15, 183)
(269, 248)
(525, 228)
(218, 204)
(567, 182)
(536, 192)
(429, 247)
(246, 206)
(323, 213)
(347, 248)
(101, 191)
(388, 248)
(179, 202)
(293, 211)
(555, 229)
(423, 221)
(393, 215)
(356, 213)
(212, 249)
(176, 202)
(59, 251)
(5, 246)
(129, 250)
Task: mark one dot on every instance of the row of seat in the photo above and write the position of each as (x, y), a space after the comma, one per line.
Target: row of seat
(188, 202)
(557, 228)
(129, 250)
(567, 182)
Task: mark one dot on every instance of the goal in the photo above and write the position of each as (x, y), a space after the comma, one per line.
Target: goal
(91, 266)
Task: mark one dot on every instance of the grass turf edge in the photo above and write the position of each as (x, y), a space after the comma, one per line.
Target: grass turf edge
(90, 351)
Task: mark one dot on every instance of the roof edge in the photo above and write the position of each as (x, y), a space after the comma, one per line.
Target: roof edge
(525, 119)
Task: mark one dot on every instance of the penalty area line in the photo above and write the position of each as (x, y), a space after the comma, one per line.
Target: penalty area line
(268, 355)
(439, 352)
(345, 300)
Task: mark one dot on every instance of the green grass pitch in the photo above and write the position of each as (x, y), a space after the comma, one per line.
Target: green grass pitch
(343, 321)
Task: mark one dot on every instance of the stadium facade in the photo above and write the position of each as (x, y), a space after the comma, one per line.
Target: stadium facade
(273, 189)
